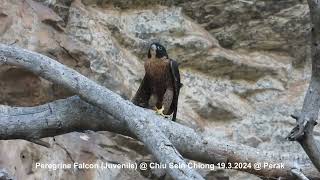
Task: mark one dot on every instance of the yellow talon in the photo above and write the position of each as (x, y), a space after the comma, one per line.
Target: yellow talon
(160, 112)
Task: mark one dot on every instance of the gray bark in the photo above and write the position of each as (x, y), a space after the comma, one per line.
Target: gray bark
(306, 120)
(4, 175)
(134, 117)
(74, 114)
(299, 174)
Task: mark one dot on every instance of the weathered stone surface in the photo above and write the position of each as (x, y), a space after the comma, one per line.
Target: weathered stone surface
(70, 148)
(244, 65)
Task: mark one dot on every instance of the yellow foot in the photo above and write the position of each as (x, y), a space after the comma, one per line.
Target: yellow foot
(160, 112)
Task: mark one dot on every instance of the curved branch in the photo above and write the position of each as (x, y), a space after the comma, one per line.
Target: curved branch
(74, 114)
(306, 120)
(135, 117)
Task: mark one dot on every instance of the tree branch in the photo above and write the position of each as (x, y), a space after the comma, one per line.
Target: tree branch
(306, 120)
(73, 114)
(136, 120)
(299, 174)
(4, 175)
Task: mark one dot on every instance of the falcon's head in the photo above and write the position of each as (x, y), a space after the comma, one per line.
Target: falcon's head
(157, 50)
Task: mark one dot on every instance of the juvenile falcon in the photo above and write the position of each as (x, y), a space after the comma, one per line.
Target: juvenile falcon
(161, 84)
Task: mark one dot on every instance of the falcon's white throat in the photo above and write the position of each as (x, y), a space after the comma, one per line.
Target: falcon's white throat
(153, 50)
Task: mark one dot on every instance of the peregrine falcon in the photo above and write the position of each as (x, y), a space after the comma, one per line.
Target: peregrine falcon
(160, 87)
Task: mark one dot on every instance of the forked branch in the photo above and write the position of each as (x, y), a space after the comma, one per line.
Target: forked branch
(74, 114)
(306, 119)
(135, 118)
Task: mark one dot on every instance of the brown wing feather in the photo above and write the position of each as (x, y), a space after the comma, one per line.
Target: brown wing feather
(143, 94)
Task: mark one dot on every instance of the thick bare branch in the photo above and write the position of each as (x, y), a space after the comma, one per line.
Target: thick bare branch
(303, 132)
(136, 120)
(74, 114)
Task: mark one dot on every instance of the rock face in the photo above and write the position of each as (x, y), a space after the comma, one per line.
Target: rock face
(244, 65)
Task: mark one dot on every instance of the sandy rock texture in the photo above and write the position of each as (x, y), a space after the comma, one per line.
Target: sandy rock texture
(245, 67)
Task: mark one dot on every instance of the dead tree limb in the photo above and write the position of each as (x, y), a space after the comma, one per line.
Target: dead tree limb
(73, 114)
(306, 120)
(4, 175)
(299, 174)
(136, 120)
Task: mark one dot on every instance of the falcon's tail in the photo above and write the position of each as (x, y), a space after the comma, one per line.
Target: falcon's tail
(177, 85)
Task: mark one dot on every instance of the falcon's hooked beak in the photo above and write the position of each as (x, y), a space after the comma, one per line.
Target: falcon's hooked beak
(153, 50)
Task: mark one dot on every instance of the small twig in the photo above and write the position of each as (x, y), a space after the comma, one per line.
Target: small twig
(296, 114)
(299, 174)
(15, 41)
(246, 1)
